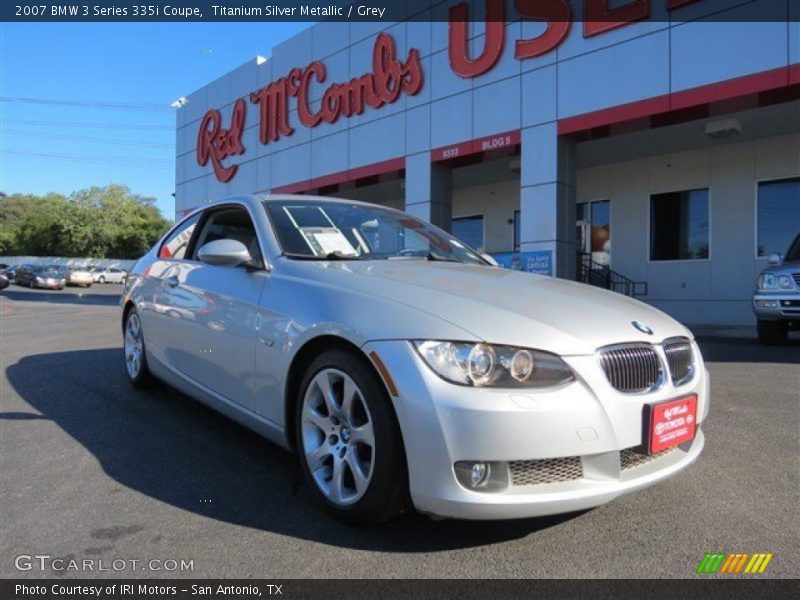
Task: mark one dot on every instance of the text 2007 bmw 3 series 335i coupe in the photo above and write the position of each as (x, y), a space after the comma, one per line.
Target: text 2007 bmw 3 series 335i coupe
(405, 369)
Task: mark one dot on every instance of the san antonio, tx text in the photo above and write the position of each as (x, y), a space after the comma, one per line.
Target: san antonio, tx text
(62, 589)
(305, 10)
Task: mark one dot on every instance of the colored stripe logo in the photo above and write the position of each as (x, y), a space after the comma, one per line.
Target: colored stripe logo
(734, 563)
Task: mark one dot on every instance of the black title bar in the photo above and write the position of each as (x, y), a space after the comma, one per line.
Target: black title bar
(387, 11)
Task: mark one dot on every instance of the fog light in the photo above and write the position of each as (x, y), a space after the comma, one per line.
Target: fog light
(767, 303)
(479, 474)
(482, 476)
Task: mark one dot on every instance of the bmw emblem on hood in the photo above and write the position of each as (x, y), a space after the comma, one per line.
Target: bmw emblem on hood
(642, 327)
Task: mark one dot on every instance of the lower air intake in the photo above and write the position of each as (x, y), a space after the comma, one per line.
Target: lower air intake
(551, 470)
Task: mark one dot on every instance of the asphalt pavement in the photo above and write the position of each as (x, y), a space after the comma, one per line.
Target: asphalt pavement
(91, 469)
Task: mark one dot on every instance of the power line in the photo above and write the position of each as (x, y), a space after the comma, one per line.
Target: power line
(99, 140)
(89, 124)
(115, 161)
(135, 106)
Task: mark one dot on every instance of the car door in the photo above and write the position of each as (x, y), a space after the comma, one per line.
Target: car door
(116, 275)
(154, 287)
(211, 310)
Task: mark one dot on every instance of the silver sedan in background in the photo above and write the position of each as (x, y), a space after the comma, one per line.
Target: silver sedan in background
(405, 369)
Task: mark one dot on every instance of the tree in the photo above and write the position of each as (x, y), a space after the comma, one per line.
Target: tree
(98, 222)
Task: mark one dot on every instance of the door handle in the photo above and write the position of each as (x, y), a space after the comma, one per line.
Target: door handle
(172, 281)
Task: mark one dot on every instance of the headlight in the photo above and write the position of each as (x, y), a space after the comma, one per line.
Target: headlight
(486, 365)
(40, 280)
(770, 281)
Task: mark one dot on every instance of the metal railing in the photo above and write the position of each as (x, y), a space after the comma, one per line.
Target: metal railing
(593, 273)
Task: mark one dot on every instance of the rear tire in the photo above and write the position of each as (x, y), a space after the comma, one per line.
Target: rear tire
(101, 280)
(351, 428)
(772, 333)
(134, 353)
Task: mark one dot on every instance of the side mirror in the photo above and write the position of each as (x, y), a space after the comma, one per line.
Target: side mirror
(490, 259)
(774, 258)
(224, 253)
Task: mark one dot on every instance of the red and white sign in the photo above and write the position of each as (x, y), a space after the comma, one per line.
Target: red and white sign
(389, 79)
(392, 77)
(671, 423)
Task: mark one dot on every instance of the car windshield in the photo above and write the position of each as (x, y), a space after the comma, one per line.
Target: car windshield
(49, 270)
(793, 253)
(316, 229)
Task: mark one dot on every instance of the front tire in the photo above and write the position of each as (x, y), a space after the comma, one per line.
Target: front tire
(101, 280)
(348, 440)
(772, 333)
(134, 352)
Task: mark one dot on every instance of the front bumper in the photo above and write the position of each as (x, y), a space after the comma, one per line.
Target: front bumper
(50, 284)
(587, 423)
(776, 306)
(80, 281)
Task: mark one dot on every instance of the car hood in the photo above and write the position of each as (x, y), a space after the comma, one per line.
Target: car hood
(503, 306)
(786, 267)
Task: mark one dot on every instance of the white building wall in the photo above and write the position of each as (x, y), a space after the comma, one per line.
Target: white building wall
(638, 61)
(496, 202)
(716, 290)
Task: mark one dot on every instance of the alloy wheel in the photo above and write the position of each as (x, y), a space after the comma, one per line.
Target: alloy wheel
(338, 437)
(133, 345)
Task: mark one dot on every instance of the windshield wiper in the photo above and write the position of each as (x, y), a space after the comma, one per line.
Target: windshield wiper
(432, 256)
(330, 256)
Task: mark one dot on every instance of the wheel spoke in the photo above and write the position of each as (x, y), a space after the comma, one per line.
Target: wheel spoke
(361, 479)
(326, 385)
(322, 422)
(316, 458)
(337, 480)
(363, 435)
(350, 396)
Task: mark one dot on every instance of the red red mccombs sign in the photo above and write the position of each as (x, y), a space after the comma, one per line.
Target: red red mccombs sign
(391, 77)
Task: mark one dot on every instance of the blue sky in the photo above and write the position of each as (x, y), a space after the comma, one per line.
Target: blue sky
(145, 65)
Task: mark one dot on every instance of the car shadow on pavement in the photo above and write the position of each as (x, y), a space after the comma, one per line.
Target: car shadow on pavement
(84, 297)
(162, 443)
(728, 349)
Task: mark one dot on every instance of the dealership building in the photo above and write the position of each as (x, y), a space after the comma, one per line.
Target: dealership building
(654, 150)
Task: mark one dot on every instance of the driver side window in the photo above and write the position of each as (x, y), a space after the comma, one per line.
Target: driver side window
(229, 224)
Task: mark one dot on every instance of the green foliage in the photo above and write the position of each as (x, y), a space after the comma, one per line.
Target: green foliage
(99, 222)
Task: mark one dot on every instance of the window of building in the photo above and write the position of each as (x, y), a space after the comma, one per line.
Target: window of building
(593, 229)
(679, 225)
(778, 215)
(516, 231)
(175, 245)
(469, 230)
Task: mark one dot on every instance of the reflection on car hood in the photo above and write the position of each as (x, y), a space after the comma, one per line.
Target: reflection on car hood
(787, 267)
(501, 305)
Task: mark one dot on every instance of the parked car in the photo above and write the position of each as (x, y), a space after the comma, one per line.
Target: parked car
(80, 276)
(109, 275)
(23, 275)
(406, 370)
(776, 301)
(9, 272)
(3, 281)
(42, 276)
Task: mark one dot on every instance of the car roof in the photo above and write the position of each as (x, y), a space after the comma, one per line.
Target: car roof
(270, 198)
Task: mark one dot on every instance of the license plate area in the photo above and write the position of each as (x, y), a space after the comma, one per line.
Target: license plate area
(669, 423)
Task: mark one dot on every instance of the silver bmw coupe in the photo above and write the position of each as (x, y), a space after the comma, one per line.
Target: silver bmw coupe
(406, 370)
